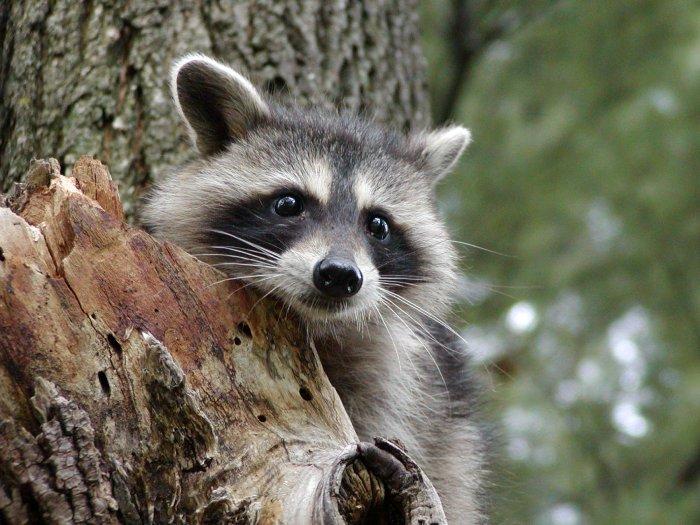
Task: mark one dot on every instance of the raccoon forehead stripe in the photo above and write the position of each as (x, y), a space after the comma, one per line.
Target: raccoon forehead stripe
(221, 180)
(318, 179)
(312, 176)
(364, 194)
(371, 193)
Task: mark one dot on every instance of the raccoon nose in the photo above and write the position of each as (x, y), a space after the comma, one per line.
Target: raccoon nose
(337, 277)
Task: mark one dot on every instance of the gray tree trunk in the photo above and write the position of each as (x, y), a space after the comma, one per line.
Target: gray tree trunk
(90, 77)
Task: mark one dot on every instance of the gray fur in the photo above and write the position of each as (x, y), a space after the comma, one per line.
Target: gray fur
(400, 371)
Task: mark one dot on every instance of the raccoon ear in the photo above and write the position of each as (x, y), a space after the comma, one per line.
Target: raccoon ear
(218, 104)
(442, 148)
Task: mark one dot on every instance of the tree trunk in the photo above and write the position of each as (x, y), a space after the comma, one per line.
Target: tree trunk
(90, 77)
(138, 386)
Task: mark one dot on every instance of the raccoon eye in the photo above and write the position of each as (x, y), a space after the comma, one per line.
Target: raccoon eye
(288, 206)
(378, 227)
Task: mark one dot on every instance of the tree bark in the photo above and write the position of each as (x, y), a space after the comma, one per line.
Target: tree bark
(137, 386)
(91, 77)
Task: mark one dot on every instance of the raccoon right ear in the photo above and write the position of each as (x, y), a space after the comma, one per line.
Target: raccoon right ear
(218, 104)
(441, 149)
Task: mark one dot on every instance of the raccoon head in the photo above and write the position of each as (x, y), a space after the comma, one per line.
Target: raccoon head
(330, 214)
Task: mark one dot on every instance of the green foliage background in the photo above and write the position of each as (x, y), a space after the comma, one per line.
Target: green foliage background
(585, 172)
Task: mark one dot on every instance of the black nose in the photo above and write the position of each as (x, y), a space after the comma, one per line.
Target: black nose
(337, 277)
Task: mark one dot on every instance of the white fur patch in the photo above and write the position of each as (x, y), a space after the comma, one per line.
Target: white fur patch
(443, 147)
(317, 179)
(364, 193)
(410, 211)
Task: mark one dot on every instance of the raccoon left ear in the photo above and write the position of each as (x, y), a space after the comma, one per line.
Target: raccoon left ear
(442, 148)
(218, 104)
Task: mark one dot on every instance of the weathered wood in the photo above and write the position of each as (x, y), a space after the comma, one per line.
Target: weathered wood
(138, 387)
(91, 77)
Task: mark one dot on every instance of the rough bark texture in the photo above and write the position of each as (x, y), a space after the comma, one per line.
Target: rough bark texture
(138, 387)
(90, 77)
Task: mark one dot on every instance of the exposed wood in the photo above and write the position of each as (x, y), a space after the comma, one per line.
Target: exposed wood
(135, 387)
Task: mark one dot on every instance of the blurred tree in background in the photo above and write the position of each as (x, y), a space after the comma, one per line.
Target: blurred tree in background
(585, 173)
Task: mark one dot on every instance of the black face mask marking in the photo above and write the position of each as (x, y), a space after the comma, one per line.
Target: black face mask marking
(394, 256)
(258, 230)
(259, 222)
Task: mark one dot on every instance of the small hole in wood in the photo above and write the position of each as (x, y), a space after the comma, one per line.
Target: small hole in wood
(262, 418)
(114, 343)
(305, 393)
(2, 255)
(237, 341)
(245, 329)
(104, 382)
(93, 315)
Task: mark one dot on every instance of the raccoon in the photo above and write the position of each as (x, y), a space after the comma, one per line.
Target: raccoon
(335, 218)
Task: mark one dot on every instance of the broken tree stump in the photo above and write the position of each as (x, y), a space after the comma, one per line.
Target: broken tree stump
(137, 386)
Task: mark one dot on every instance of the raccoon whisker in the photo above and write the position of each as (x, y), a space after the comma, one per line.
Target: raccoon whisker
(252, 283)
(407, 354)
(425, 347)
(403, 277)
(215, 255)
(404, 255)
(274, 246)
(450, 329)
(396, 282)
(244, 260)
(248, 239)
(236, 263)
(275, 306)
(397, 279)
(244, 251)
(424, 331)
(422, 246)
(427, 314)
(365, 316)
(249, 243)
(436, 243)
(283, 245)
(263, 297)
(470, 245)
(482, 248)
(239, 254)
(247, 251)
(391, 337)
(239, 277)
(395, 285)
